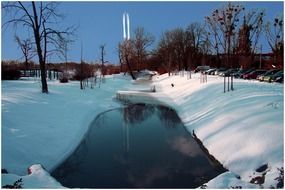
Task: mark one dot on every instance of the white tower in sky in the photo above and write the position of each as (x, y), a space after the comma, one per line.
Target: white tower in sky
(126, 26)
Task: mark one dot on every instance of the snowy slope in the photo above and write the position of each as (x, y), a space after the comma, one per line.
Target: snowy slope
(38, 178)
(46, 128)
(243, 128)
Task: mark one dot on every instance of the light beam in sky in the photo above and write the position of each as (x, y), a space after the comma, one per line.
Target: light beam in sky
(126, 26)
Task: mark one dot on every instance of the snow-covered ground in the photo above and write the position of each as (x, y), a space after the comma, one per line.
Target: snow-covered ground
(46, 128)
(243, 128)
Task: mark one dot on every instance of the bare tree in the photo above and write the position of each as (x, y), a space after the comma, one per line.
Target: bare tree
(27, 50)
(215, 37)
(39, 17)
(249, 35)
(81, 67)
(141, 41)
(62, 47)
(120, 54)
(275, 36)
(254, 20)
(180, 48)
(165, 50)
(224, 22)
(102, 69)
(127, 52)
(172, 49)
(195, 36)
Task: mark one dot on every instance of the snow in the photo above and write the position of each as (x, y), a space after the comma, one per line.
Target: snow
(46, 128)
(38, 178)
(243, 129)
(228, 180)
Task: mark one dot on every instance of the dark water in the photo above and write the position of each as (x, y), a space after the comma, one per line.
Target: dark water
(139, 146)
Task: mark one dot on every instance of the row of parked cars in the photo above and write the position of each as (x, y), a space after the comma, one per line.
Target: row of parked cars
(274, 75)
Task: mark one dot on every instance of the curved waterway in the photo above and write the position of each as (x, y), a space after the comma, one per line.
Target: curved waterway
(138, 146)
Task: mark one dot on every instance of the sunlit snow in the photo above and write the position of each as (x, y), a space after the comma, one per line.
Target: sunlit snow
(243, 129)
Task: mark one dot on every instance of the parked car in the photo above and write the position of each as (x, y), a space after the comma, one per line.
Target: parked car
(227, 73)
(270, 72)
(253, 74)
(246, 72)
(271, 78)
(209, 71)
(279, 79)
(212, 72)
(201, 68)
(220, 70)
(238, 73)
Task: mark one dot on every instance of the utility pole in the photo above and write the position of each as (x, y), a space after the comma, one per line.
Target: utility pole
(102, 61)
(260, 56)
(81, 69)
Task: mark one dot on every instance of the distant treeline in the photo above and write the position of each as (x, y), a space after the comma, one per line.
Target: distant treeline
(229, 37)
(12, 69)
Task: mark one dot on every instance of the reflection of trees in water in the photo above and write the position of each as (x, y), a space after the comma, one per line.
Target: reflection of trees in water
(168, 116)
(137, 113)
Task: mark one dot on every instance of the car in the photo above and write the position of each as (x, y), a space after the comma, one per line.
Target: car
(270, 72)
(212, 72)
(271, 78)
(238, 73)
(253, 74)
(246, 72)
(279, 79)
(201, 68)
(228, 72)
(209, 71)
(220, 70)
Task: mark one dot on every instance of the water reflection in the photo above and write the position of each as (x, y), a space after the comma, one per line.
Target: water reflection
(147, 178)
(137, 113)
(185, 146)
(168, 116)
(136, 146)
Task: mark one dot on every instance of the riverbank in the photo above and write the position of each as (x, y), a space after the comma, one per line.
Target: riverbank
(243, 129)
(45, 129)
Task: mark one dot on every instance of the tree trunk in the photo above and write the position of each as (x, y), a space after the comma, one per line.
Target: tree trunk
(26, 65)
(39, 51)
(130, 69)
(81, 75)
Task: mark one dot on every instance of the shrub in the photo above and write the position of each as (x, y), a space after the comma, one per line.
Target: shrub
(63, 80)
(11, 74)
(17, 185)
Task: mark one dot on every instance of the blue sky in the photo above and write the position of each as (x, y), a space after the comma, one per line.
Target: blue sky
(101, 23)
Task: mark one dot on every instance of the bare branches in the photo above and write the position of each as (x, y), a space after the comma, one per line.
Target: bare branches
(40, 17)
(141, 42)
(26, 47)
(274, 33)
(254, 21)
(275, 38)
(31, 20)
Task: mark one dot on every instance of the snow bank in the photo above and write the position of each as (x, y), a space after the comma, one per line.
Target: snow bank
(243, 128)
(37, 178)
(227, 180)
(46, 128)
